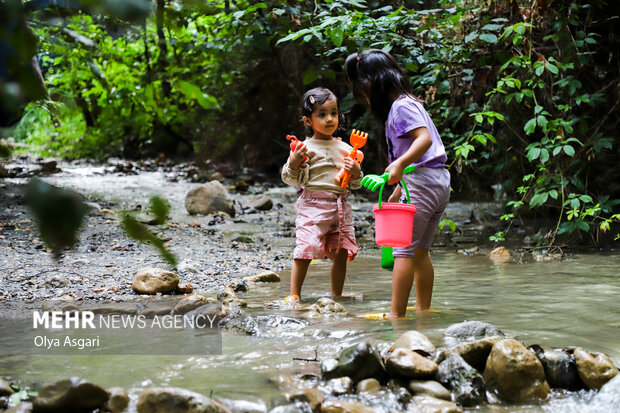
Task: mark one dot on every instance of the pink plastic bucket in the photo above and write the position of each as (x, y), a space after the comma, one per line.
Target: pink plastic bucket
(393, 224)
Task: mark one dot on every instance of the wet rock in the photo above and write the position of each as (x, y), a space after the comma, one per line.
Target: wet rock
(470, 331)
(5, 389)
(431, 388)
(465, 383)
(192, 302)
(469, 251)
(263, 277)
(261, 203)
(428, 404)
(368, 386)
(345, 406)
(155, 280)
(237, 237)
(226, 295)
(217, 176)
(326, 306)
(72, 395)
(595, 369)
(65, 304)
(209, 198)
(415, 341)
(49, 166)
(474, 353)
(238, 286)
(275, 324)
(499, 255)
(176, 400)
(313, 397)
(359, 362)
(184, 288)
(407, 363)
(242, 324)
(157, 307)
(560, 368)
(118, 401)
(339, 386)
(515, 373)
(241, 186)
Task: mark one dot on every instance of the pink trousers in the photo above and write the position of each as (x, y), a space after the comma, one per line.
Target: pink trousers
(324, 223)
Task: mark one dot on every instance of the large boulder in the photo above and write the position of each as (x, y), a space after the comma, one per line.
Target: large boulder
(560, 368)
(155, 280)
(72, 395)
(595, 369)
(176, 400)
(209, 198)
(359, 362)
(463, 380)
(475, 353)
(515, 373)
(415, 341)
(469, 331)
(408, 363)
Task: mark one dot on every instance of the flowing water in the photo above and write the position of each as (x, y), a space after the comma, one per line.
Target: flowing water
(568, 303)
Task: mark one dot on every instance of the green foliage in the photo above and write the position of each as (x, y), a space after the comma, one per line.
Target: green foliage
(159, 208)
(59, 213)
(526, 102)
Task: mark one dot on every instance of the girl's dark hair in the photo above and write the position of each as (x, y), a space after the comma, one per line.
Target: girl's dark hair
(375, 74)
(315, 97)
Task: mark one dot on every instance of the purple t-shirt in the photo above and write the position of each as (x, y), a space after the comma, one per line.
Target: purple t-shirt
(407, 114)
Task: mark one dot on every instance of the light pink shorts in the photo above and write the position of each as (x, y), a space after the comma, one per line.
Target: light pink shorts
(324, 223)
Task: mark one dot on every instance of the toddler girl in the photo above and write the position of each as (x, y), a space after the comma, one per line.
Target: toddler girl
(324, 226)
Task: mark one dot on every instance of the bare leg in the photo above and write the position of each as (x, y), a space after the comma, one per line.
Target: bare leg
(402, 281)
(298, 275)
(420, 268)
(338, 271)
(424, 279)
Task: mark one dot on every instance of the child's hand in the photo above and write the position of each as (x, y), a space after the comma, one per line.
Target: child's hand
(395, 197)
(296, 158)
(395, 169)
(352, 167)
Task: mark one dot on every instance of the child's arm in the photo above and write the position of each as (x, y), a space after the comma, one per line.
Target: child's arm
(295, 171)
(296, 158)
(395, 197)
(421, 143)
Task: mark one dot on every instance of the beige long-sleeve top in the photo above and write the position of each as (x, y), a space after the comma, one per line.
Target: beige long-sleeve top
(318, 173)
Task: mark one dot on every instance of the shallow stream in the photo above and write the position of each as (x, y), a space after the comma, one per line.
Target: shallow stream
(568, 303)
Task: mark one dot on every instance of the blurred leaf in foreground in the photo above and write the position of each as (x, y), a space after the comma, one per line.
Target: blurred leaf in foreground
(160, 209)
(59, 213)
(139, 232)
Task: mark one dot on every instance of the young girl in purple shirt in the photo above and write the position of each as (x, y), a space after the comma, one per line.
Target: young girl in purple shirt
(412, 138)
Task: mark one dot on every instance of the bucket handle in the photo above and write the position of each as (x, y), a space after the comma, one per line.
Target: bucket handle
(371, 181)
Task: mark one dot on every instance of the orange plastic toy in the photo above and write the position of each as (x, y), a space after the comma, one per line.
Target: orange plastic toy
(358, 139)
(294, 143)
(359, 157)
